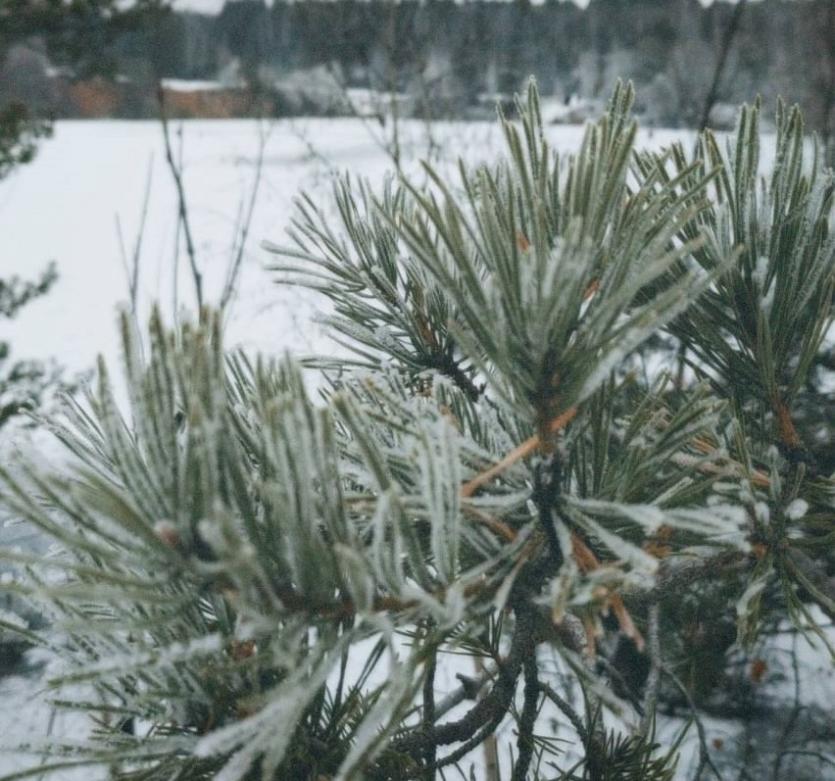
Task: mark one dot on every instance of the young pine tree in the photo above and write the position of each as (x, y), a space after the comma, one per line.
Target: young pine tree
(255, 584)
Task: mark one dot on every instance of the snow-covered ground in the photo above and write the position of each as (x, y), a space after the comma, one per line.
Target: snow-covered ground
(86, 187)
(65, 207)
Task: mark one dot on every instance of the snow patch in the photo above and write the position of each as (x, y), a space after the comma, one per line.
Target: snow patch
(796, 509)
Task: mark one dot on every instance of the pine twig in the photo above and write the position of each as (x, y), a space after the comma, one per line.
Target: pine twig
(527, 722)
(673, 578)
(704, 752)
(469, 690)
(491, 708)
(517, 454)
(491, 749)
(476, 740)
(587, 562)
(796, 709)
(494, 524)
(567, 710)
(813, 575)
(428, 717)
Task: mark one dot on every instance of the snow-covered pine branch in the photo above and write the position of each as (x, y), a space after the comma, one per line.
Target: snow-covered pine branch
(257, 585)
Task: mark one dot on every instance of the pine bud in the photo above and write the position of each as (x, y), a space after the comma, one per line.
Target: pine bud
(167, 532)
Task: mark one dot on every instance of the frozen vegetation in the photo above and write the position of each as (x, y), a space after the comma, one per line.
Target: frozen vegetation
(87, 184)
(80, 203)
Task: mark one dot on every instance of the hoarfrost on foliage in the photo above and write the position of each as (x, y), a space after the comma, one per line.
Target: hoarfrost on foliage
(268, 732)
(768, 300)
(90, 170)
(796, 509)
(761, 272)
(176, 652)
(762, 512)
(721, 522)
(13, 620)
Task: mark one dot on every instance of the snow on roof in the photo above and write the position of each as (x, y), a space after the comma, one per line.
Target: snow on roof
(191, 85)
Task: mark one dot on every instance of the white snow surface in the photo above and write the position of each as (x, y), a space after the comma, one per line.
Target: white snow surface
(192, 85)
(87, 185)
(65, 207)
(214, 7)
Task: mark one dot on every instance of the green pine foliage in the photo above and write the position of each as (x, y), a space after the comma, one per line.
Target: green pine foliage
(23, 384)
(19, 135)
(253, 583)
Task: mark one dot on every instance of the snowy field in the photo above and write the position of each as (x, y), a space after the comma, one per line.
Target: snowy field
(92, 177)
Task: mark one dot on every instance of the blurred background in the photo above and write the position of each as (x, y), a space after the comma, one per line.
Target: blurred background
(692, 62)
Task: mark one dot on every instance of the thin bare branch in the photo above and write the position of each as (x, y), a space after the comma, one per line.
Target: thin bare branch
(704, 752)
(721, 61)
(235, 267)
(140, 234)
(182, 203)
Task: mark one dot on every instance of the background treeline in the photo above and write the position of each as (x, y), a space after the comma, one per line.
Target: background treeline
(447, 58)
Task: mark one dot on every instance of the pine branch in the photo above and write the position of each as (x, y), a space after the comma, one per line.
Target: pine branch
(428, 716)
(487, 710)
(677, 576)
(528, 447)
(228, 543)
(527, 721)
